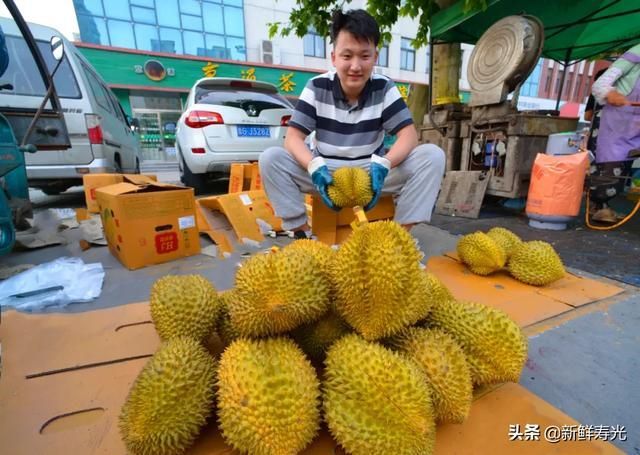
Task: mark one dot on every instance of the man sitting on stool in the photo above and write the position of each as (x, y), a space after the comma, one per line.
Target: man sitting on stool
(350, 110)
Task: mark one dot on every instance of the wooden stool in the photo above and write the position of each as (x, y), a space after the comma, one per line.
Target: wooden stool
(332, 227)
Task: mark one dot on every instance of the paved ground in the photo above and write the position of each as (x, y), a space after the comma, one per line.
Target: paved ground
(587, 366)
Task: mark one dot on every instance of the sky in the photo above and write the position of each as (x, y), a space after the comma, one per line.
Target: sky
(58, 14)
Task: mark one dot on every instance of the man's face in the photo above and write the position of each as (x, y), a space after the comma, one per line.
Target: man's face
(354, 61)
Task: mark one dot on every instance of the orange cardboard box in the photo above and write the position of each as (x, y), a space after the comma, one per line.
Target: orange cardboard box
(92, 182)
(148, 222)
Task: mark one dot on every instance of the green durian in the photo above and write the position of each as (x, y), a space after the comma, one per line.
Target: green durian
(536, 263)
(170, 400)
(277, 292)
(444, 363)
(376, 401)
(315, 338)
(493, 344)
(351, 186)
(505, 238)
(380, 286)
(184, 305)
(268, 397)
(481, 253)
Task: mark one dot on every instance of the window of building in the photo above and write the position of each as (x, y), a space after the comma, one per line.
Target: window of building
(172, 26)
(547, 84)
(556, 89)
(576, 90)
(314, 44)
(567, 86)
(407, 55)
(383, 56)
(531, 85)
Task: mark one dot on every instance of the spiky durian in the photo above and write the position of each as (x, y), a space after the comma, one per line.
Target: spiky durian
(444, 363)
(494, 345)
(170, 400)
(268, 397)
(351, 186)
(380, 287)
(438, 292)
(184, 305)
(536, 263)
(315, 338)
(277, 292)
(375, 400)
(322, 253)
(505, 238)
(226, 330)
(481, 253)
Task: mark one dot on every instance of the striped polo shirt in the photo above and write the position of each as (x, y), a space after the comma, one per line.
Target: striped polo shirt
(350, 132)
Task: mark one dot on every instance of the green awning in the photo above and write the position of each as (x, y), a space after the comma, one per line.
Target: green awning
(574, 29)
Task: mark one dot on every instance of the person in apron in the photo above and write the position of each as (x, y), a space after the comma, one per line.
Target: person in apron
(618, 139)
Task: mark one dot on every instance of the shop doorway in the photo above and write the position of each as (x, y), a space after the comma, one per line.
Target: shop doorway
(158, 114)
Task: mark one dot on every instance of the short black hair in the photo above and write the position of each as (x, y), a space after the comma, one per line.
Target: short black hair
(358, 22)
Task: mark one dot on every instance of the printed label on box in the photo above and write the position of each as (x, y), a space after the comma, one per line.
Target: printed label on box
(246, 200)
(186, 222)
(166, 242)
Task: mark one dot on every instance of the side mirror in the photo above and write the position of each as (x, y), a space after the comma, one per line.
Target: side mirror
(135, 122)
(57, 47)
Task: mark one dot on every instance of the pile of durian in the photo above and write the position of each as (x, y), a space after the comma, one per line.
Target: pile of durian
(362, 340)
(535, 262)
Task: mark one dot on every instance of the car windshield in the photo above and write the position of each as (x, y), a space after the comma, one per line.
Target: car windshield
(23, 73)
(233, 97)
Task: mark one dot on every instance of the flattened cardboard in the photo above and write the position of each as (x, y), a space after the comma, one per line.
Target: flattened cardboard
(244, 177)
(524, 303)
(45, 414)
(91, 182)
(148, 223)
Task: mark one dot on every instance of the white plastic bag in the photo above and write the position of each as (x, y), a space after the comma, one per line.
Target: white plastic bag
(56, 283)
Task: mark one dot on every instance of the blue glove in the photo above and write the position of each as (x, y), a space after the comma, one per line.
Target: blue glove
(378, 170)
(321, 179)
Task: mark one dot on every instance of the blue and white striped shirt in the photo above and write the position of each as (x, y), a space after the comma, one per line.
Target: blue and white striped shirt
(346, 132)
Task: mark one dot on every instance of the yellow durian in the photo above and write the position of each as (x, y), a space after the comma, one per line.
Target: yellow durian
(494, 345)
(380, 286)
(536, 263)
(184, 305)
(481, 253)
(170, 400)
(351, 186)
(505, 238)
(376, 401)
(268, 397)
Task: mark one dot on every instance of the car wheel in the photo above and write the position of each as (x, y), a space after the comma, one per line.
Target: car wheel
(195, 181)
(117, 165)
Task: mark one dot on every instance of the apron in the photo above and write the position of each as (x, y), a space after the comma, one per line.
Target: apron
(619, 131)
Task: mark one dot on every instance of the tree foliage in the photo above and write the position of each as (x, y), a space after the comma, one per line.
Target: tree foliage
(317, 14)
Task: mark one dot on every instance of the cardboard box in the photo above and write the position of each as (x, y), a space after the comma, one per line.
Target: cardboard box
(244, 177)
(92, 182)
(148, 223)
(333, 228)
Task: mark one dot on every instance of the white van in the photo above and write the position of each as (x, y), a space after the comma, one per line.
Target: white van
(101, 136)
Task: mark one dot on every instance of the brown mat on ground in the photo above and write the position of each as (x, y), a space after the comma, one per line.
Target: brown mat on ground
(76, 408)
(525, 304)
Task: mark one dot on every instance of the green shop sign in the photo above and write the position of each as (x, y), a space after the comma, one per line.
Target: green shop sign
(136, 69)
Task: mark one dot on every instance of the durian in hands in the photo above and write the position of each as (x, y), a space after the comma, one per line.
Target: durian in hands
(351, 186)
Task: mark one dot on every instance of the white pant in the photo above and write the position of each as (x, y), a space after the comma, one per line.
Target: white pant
(414, 183)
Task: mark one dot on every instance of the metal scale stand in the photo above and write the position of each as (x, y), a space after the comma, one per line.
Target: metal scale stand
(499, 143)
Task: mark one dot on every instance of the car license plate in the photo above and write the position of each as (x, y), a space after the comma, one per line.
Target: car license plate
(254, 131)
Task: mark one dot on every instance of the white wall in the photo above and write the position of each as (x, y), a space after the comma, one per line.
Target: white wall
(58, 14)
